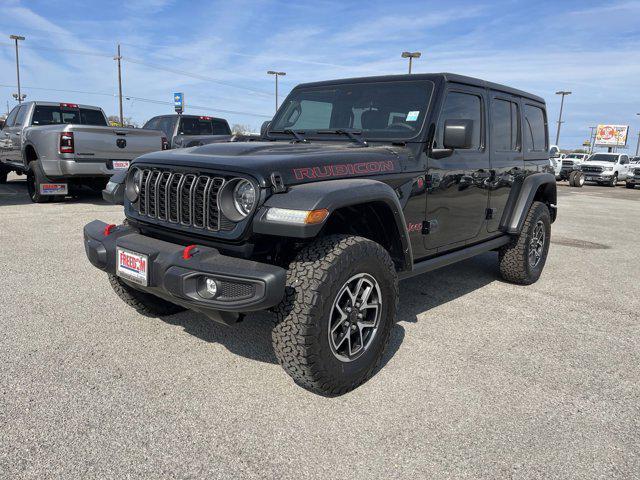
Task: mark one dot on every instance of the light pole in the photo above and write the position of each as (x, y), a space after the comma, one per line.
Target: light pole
(118, 59)
(563, 93)
(592, 138)
(411, 56)
(277, 74)
(16, 38)
(638, 144)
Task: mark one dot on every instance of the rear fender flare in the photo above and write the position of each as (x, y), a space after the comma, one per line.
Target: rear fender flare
(522, 196)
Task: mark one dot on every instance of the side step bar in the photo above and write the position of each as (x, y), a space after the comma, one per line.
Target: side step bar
(453, 257)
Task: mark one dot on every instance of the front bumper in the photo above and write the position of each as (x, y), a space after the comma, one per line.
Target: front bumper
(244, 285)
(597, 177)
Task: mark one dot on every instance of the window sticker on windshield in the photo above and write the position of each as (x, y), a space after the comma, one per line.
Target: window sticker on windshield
(412, 116)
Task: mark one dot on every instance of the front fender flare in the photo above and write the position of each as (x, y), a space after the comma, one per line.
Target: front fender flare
(332, 195)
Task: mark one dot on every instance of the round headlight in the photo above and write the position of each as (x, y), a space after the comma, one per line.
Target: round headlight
(132, 187)
(244, 197)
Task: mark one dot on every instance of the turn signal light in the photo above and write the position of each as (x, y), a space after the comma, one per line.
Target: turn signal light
(300, 217)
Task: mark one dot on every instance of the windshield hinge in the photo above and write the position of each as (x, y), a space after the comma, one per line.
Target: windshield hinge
(278, 183)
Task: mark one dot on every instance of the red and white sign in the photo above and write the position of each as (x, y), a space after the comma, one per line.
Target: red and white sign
(612, 135)
(54, 189)
(132, 266)
(120, 164)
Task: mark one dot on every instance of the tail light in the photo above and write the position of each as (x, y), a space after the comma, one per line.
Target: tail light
(68, 105)
(165, 143)
(66, 142)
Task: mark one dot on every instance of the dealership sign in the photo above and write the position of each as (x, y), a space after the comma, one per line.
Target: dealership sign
(612, 135)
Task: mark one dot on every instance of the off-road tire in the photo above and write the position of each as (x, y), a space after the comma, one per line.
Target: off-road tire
(514, 257)
(614, 181)
(144, 303)
(300, 335)
(578, 180)
(628, 185)
(36, 176)
(4, 172)
(572, 177)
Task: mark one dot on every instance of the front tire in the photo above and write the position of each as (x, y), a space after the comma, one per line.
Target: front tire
(334, 323)
(578, 180)
(144, 303)
(523, 260)
(4, 172)
(629, 185)
(614, 181)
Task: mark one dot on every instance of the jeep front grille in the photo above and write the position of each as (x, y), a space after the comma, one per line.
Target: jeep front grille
(592, 169)
(184, 198)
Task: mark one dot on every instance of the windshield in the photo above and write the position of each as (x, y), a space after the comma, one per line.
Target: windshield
(574, 155)
(202, 126)
(54, 115)
(603, 157)
(380, 110)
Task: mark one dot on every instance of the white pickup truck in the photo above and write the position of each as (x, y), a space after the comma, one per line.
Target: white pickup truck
(606, 168)
(63, 145)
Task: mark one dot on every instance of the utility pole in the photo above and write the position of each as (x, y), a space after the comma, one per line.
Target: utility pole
(277, 74)
(16, 38)
(411, 56)
(592, 138)
(118, 58)
(563, 93)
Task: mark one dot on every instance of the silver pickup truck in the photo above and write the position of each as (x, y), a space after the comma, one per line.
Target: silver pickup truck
(61, 146)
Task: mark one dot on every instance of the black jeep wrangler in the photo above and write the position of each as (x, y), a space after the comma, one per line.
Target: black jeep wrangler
(358, 183)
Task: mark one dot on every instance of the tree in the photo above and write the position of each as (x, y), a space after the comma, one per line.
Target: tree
(239, 129)
(114, 121)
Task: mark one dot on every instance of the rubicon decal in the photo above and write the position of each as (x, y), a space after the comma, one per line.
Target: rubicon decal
(344, 170)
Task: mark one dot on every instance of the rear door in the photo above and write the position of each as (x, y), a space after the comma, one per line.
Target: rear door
(624, 167)
(14, 135)
(507, 160)
(457, 193)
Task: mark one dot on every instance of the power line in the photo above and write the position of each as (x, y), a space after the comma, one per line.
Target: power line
(142, 99)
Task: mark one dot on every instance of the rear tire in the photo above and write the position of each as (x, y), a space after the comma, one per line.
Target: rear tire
(522, 260)
(629, 185)
(578, 180)
(144, 303)
(36, 176)
(4, 171)
(334, 323)
(572, 177)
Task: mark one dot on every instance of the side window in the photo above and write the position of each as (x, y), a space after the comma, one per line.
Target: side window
(151, 124)
(22, 113)
(165, 125)
(535, 131)
(220, 127)
(12, 117)
(504, 126)
(461, 106)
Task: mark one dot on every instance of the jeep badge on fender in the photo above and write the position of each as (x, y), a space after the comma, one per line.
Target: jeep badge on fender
(355, 185)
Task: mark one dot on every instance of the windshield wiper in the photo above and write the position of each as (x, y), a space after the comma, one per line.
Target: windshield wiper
(349, 133)
(297, 134)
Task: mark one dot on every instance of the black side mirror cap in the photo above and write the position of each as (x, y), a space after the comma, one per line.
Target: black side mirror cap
(457, 134)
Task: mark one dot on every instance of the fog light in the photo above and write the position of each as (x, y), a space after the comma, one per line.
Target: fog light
(211, 287)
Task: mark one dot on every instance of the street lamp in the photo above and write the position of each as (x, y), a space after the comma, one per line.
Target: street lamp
(277, 74)
(19, 96)
(563, 93)
(411, 56)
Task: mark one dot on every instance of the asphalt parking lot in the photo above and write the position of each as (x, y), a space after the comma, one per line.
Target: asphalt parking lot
(482, 378)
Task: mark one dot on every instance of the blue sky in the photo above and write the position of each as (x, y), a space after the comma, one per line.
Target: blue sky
(218, 52)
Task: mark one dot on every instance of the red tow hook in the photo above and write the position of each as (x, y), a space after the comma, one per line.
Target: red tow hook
(189, 251)
(108, 228)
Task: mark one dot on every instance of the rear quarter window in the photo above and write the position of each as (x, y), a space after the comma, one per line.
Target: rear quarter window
(535, 129)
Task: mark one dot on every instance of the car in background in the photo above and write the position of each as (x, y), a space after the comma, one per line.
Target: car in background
(184, 131)
(64, 146)
(606, 168)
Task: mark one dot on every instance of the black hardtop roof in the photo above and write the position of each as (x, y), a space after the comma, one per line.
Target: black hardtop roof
(445, 77)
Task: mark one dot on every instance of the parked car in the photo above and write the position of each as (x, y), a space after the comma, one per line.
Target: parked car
(633, 178)
(361, 182)
(606, 168)
(58, 145)
(190, 130)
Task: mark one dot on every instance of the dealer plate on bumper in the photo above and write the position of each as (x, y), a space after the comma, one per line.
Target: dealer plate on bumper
(54, 189)
(132, 266)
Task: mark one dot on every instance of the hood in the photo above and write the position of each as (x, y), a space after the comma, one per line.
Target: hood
(295, 162)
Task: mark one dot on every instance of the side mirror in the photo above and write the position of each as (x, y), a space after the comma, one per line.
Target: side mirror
(457, 134)
(265, 128)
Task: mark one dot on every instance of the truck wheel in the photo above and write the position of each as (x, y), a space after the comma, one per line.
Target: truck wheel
(522, 260)
(334, 323)
(36, 176)
(145, 303)
(628, 185)
(572, 177)
(578, 180)
(614, 180)
(4, 171)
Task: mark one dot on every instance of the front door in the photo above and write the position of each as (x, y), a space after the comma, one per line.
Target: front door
(14, 136)
(456, 185)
